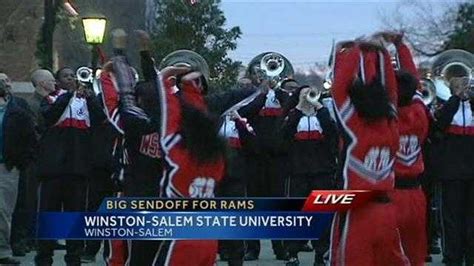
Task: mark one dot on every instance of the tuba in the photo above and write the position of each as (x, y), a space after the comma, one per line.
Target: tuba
(270, 66)
(447, 65)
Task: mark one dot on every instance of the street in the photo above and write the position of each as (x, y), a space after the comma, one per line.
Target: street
(266, 258)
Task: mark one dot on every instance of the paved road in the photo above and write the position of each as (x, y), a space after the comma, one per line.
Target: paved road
(266, 259)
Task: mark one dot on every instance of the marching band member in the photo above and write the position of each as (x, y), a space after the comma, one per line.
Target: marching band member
(64, 163)
(413, 124)
(265, 114)
(364, 92)
(311, 138)
(240, 138)
(192, 149)
(457, 174)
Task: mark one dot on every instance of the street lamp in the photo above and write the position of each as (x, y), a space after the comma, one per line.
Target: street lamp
(94, 31)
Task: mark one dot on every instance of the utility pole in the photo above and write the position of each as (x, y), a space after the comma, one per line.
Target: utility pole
(47, 34)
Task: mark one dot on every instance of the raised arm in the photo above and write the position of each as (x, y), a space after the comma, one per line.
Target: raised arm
(53, 106)
(390, 79)
(147, 62)
(220, 102)
(345, 70)
(445, 115)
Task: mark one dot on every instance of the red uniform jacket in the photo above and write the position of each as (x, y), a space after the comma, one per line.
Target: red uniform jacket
(369, 149)
(183, 176)
(413, 125)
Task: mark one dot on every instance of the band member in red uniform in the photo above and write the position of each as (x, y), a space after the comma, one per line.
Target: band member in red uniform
(193, 152)
(413, 124)
(364, 92)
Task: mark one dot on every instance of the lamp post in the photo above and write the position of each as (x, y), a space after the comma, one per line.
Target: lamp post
(94, 31)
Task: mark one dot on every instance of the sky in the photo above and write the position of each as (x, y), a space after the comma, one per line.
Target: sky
(302, 30)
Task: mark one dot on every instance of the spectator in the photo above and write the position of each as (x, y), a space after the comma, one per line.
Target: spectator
(17, 140)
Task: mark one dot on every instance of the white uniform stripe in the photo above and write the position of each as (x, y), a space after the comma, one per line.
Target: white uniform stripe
(170, 252)
(343, 243)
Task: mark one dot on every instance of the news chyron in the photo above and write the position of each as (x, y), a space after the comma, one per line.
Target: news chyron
(179, 204)
(216, 218)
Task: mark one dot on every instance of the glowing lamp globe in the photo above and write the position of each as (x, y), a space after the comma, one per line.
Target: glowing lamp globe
(94, 29)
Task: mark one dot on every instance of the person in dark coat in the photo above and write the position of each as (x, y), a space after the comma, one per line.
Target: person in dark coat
(17, 142)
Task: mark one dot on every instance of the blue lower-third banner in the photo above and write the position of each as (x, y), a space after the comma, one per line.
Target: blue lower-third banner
(182, 225)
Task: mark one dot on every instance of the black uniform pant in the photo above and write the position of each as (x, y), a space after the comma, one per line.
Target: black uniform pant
(66, 193)
(267, 176)
(99, 186)
(235, 249)
(142, 183)
(431, 190)
(457, 211)
(301, 185)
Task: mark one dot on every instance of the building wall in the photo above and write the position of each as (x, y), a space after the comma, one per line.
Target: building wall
(20, 24)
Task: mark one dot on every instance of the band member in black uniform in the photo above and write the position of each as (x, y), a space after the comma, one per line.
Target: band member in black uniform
(457, 173)
(265, 114)
(240, 138)
(310, 136)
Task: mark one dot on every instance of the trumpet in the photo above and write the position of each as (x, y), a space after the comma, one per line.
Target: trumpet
(85, 75)
(313, 96)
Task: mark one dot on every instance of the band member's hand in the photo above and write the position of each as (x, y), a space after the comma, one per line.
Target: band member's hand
(460, 87)
(81, 91)
(193, 79)
(389, 36)
(119, 39)
(109, 66)
(341, 46)
(303, 94)
(144, 41)
(370, 45)
(234, 115)
(264, 86)
(318, 105)
(173, 71)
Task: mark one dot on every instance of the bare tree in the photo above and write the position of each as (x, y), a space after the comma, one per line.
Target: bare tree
(427, 24)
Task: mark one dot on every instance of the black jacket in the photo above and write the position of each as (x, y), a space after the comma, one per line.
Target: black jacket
(19, 134)
(266, 127)
(142, 142)
(66, 151)
(309, 154)
(240, 150)
(455, 149)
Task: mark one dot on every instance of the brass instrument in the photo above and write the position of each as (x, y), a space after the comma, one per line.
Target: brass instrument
(84, 75)
(447, 65)
(313, 96)
(428, 91)
(270, 66)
